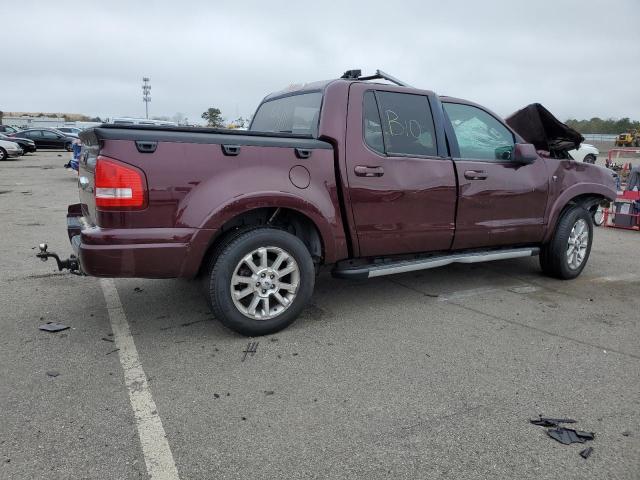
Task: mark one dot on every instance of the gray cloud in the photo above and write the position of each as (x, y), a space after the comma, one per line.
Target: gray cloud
(88, 57)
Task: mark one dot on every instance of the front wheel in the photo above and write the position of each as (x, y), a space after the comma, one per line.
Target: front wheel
(68, 147)
(591, 158)
(3, 154)
(566, 255)
(260, 281)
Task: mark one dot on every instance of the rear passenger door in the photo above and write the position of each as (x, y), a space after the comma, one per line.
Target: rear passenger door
(402, 186)
(36, 136)
(50, 139)
(500, 202)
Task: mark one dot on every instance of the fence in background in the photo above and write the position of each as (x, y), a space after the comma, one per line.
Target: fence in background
(599, 137)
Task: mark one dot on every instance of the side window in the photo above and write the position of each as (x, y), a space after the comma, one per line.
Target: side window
(480, 136)
(372, 127)
(48, 134)
(407, 124)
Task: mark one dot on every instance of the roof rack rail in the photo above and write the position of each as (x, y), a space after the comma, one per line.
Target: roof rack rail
(357, 75)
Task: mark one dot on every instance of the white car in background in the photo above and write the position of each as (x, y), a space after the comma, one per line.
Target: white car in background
(9, 150)
(586, 153)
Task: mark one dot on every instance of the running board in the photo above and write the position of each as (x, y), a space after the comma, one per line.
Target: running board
(402, 266)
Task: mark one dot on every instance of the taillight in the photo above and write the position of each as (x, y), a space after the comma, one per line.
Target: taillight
(118, 186)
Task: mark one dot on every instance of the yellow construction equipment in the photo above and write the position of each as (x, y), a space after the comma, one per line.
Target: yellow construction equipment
(628, 139)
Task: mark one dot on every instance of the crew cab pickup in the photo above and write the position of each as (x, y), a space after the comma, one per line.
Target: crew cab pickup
(363, 174)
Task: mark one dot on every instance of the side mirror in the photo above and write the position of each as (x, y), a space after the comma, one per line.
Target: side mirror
(524, 153)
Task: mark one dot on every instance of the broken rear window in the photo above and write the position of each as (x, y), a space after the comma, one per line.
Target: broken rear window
(291, 114)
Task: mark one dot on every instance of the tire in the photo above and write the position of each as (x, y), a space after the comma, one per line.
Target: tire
(251, 255)
(559, 258)
(598, 216)
(3, 154)
(590, 158)
(67, 147)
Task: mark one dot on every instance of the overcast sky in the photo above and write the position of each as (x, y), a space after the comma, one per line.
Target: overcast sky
(578, 58)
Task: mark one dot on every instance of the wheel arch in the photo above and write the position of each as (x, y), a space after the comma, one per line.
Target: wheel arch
(289, 219)
(589, 201)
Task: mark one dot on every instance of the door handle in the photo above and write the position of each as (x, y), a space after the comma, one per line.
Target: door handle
(364, 171)
(475, 175)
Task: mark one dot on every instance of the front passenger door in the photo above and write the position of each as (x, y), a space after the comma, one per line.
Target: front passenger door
(500, 202)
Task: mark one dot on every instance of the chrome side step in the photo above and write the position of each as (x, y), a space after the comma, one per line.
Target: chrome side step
(370, 270)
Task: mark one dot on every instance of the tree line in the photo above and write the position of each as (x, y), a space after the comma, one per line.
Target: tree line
(599, 125)
(214, 118)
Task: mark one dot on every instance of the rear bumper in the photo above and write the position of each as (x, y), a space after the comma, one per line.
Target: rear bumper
(142, 253)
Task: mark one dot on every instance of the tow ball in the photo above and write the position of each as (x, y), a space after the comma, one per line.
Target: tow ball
(70, 264)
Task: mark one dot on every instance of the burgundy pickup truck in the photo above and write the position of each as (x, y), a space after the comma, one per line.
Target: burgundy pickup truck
(369, 177)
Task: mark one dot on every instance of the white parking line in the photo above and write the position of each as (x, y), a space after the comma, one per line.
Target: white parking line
(155, 448)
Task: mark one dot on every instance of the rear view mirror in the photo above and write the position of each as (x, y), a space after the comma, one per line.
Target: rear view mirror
(524, 153)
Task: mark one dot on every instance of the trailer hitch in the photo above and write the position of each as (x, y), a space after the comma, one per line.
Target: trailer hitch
(70, 264)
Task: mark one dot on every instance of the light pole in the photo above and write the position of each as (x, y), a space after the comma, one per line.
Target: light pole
(146, 94)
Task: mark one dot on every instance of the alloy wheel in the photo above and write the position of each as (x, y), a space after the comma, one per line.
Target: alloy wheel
(577, 244)
(265, 283)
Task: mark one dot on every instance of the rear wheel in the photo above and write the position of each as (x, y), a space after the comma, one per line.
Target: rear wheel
(68, 147)
(591, 158)
(259, 281)
(566, 255)
(3, 154)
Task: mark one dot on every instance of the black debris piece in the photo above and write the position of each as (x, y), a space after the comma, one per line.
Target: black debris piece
(551, 422)
(215, 395)
(244, 418)
(567, 436)
(137, 289)
(273, 339)
(53, 327)
(251, 349)
(626, 433)
(586, 452)
(537, 125)
(113, 351)
(107, 339)
(53, 373)
(269, 392)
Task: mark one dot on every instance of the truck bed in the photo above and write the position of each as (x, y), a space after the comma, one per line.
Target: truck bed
(197, 179)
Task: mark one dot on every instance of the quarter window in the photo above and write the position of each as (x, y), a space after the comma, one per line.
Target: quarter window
(480, 136)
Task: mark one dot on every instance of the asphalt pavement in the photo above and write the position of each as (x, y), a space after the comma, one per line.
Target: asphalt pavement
(430, 374)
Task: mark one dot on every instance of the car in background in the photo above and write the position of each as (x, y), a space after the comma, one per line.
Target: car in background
(70, 130)
(586, 153)
(47, 138)
(6, 129)
(9, 150)
(24, 143)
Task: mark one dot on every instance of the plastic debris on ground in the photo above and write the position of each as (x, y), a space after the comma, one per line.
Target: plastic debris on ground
(551, 422)
(566, 436)
(586, 452)
(53, 327)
